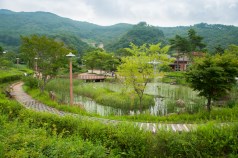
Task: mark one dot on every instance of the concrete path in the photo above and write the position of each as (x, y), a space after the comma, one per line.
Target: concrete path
(28, 102)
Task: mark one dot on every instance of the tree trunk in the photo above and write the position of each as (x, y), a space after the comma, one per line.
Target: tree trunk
(140, 98)
(209, 104)
(43, 85)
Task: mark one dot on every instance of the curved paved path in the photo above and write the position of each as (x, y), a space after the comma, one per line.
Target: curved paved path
(28, 102)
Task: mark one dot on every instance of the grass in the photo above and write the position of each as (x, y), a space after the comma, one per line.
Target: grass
(12, 74)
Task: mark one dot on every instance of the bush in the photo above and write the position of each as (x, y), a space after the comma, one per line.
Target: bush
(31, 82)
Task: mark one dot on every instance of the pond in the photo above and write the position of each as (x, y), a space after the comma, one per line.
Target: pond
(92, 107)
(165, 99)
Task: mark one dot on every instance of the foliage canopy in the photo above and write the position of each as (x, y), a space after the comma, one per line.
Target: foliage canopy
(44, 54)
(136, 70)
(213, 76)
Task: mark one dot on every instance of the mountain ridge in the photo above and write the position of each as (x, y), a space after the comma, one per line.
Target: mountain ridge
(14, 24)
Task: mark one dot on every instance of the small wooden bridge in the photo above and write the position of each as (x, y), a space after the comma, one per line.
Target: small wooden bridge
(90, 77)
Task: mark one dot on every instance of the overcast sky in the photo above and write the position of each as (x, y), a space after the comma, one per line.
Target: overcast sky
(154, 12)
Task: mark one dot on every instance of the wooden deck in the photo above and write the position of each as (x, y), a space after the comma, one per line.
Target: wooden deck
(90, 77)
(87, 77)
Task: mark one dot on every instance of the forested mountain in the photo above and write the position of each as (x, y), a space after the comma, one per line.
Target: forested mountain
(214, 35)
(138, 34)
(79, 35)
(14, 24)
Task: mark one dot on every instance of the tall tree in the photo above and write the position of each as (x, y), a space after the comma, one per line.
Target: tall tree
(213, 76)
(1, 50)
(100, 59)
(181, 45)
(50, 54)
(195, 41)
(135, 70)
(185, 45)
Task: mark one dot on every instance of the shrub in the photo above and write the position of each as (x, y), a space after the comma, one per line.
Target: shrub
(31, 82)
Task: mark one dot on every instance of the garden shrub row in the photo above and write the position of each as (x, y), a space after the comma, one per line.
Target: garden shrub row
(10, 78)
(12, 74)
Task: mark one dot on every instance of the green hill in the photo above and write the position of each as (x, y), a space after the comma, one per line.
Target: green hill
(14, 24)
(138, 34)
(80, 35)
(214, 34)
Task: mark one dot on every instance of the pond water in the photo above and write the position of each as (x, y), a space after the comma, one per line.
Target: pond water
(92, 107)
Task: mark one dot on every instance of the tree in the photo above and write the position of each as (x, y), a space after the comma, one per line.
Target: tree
(213, 76)
(195, 41)
(1, 50)
(185, 45)
(100, 59)
(219, 50)
(181, 45)
(135, 70)
(50, 54)
(233, 49)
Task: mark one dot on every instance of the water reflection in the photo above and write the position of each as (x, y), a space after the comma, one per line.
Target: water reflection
(164, 101)
(92, 107)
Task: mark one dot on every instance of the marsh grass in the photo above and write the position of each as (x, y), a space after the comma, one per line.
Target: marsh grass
(195, 111)
(101, 93)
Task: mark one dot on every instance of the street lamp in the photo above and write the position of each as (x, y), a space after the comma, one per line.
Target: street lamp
(70, 55)
(17, 62)
(36, 64)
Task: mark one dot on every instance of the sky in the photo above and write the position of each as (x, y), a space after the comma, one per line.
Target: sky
(154, 12)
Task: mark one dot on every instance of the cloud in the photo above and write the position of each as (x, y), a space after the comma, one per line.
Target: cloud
(155, 12)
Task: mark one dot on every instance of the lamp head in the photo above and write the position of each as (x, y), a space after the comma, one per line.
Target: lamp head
(70, 55)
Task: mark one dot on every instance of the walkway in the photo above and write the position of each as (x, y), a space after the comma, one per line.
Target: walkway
(28, 102)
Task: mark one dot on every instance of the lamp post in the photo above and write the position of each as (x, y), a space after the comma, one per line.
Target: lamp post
(36, 64)
(17, 62)
(70, 55)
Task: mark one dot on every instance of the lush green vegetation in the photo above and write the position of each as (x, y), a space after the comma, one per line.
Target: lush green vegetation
(135, 70)
(54, 136)
(102, 95)
(25, 133)
(224, 114)
(101, 60)
(45, 55)
(213, 76)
